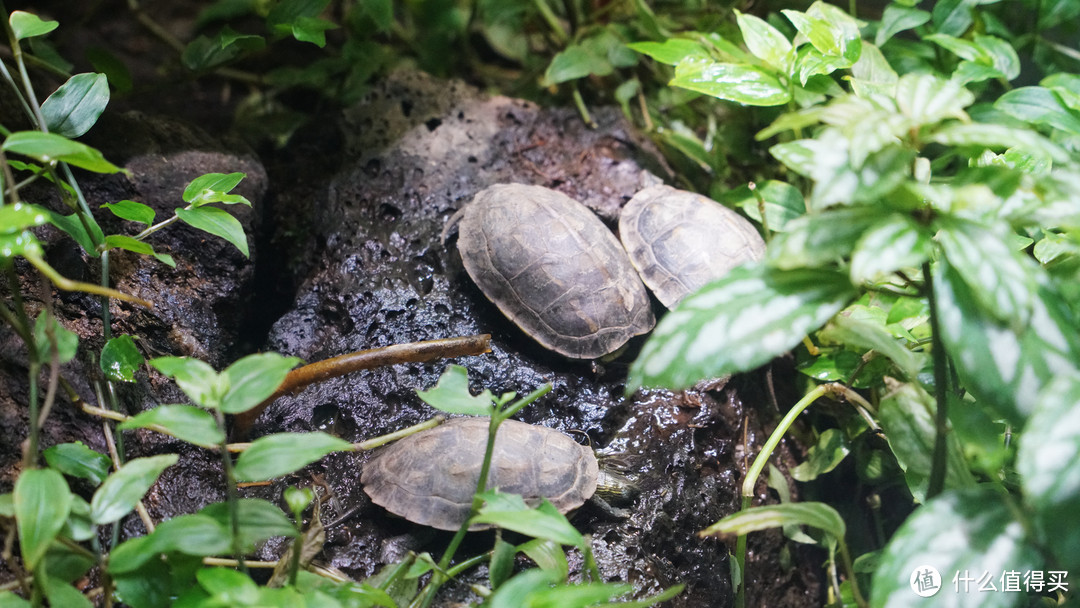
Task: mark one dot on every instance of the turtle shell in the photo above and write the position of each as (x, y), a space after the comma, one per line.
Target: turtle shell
(429, 478)
(679, 241)
(554, 269)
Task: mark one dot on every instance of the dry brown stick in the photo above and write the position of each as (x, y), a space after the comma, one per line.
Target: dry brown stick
(412, 352)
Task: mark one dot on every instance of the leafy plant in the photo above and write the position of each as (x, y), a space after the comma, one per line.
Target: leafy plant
(920, 264)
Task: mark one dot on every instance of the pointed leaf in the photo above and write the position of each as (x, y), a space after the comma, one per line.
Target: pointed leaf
(451, 394)
(829, 451)
(253, 379)
(50, 147)
(14, 218)
(927, 99)
(258, 520)
(77, 460)
(814, 514)
(998, 137)
(217, 222)
(73, 108)
(132, 211)
(185, 422)
(1040, 106)
(42, 502)
(821, 239)
(895, 242)
(738, 323)
(67, 341)
(832, 31)
(742, 83)
(118, 495)
(209, 187)
(120, 359)
(959, 533)
(276, 455)
(672, 50)
(73, 226)
(509, 511)
(898, 18)
(783, 203)
(197, 379)
(766, 42)
(27, 25)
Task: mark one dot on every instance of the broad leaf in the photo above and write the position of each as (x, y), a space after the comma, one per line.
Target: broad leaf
(1049, 464)
(856, 329)
(197, 379)
(821, 239)
(217, 222)
(926, 99)
(118, 495)
(66, 341)
(998, 137)
(14, 218)
(276, 455)
(832, 32)
(120, 359)
(48, 148)
(898, 18)
(194, 534)
(742, 83)
(77, 460)
(960, 533)
(27, 25)
(509, 511)
(74, 227)
(738, 323)
(783, 203)
(185, 422)
(451, 394)
(211, 188)
(253, 379)
(671, 51)
(1040, 106)
(766, 42)
(132, 211)
(73, 108)
(42, 502)
(895, 242)
(907, 415)
(829, 451)
(259, 520)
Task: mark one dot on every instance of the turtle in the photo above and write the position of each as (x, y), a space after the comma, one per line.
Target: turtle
(678, 241)
(429, 478)
(553, 268)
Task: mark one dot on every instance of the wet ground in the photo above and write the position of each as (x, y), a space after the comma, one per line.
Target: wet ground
(347, 255)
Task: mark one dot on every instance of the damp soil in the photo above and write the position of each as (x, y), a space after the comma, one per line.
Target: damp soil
(347, 254)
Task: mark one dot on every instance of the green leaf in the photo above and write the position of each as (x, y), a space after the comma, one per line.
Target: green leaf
(510, 512)
(118, 495)
(50, 147)
(959, 533)
(77, 460)
(73, 226)
(1005, 367)
(926, 99)
(127, 243)
(961, 47)
(953, 17)
(1049, 464)
(74, 107)
(766, 42)
(197, 379)
(783, 203)
(898, 18)
(60, 593)
(276, 455)
(576, 61)
(872, 74)
(1040, 106)
(998, 137)
(1001, 281)
(895, 242)
(907, 415)
(185, 422)
(212, 188)
(671, 51)
(814, 514)
(288, 11)
(451, 394)
(217, 222)
(258, 520)
(195, 534)
(78, 528)
(547, 554)
(120, 359)
(132, 211)
(253, 379)
(67, 341)
(1002, 55)
(111, 66)
(229, 587)
(820, 239)
(830, 30)
(42, 502)
(203, 53)
(738, 323)
(577, 595)
(23, 243)
(856, 329)
(501, 565)
(829, 451)
(312, 29)
(10, 600)
(517, 591)
(741, 83)
(14, 218)
(27, 25)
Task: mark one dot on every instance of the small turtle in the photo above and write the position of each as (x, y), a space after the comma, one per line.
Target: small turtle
(679, 241)
(429, 478)
(553, 268)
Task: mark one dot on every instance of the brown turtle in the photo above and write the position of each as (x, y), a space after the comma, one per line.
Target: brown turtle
(679, 241)
(553, 268)
(429, 478)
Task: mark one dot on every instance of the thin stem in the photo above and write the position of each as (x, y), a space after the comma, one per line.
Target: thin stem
(849, 569)
(158, 226)
(941, 391)
(553, 22)
(66, 284)
(232, 496)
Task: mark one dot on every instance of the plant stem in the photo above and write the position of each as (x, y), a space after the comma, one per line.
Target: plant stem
(553, 22)
(66, 284)
(941, 394)
(232, 497)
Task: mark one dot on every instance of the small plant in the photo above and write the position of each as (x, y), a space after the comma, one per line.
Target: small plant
(926, 241)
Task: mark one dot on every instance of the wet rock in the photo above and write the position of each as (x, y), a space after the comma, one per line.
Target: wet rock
(419, 149)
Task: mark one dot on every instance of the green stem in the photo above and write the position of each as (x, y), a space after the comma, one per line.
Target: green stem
(553, 22)
(580, 103)
(231, 495)
(66, 284)
(849, 568)
(158, 226)
(941, 388)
